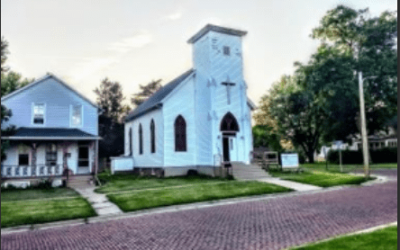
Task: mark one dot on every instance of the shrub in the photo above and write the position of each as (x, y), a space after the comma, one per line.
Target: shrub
(383, 155)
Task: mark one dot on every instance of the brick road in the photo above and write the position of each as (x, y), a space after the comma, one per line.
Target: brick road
(272, 224)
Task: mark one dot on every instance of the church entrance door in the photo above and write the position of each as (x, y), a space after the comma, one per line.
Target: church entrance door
(229, 127)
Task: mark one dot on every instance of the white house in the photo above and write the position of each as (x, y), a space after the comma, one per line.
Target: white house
(198, 120)
(56, 130)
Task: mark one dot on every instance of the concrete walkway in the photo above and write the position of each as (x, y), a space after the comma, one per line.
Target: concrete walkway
(290, 184)
(99, 202)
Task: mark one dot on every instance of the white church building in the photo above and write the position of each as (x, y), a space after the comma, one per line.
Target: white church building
(199, 120)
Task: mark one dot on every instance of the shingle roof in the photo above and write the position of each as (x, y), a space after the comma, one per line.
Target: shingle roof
(49, 133)
(154, 101)
(219, 29)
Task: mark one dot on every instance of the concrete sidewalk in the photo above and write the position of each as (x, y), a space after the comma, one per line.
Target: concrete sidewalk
(99, 202)
(290, 184)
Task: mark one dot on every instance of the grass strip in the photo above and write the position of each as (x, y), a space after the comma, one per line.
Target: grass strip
(385, 239)
(322, 179)
(15, 213)
(166, 197)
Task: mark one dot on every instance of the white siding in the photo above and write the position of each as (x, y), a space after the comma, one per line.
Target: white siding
(180, 102)
(147, 159)
(58, 100)
(221, 68)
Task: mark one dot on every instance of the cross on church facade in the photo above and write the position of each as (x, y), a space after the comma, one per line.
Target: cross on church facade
(228, 90)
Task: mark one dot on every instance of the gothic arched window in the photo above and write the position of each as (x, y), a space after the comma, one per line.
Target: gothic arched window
(140, 139)
(130, 141)
(152, 136)
(180, 134)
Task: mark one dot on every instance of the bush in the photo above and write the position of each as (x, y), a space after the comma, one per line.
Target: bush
(383, 155)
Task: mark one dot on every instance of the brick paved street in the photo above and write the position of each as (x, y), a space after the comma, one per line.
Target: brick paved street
(272, 224)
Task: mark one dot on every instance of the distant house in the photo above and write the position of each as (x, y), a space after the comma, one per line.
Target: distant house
(375, 142)
(56, 130)
(200, 119)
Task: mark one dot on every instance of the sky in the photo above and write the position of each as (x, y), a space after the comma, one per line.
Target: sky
(134, 42)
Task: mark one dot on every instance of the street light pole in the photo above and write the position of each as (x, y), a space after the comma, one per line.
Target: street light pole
(363, 125)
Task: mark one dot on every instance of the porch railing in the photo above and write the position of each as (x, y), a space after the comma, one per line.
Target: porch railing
(17, 171)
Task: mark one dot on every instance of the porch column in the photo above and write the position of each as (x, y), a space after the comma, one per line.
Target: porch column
(65, 158)
(94, 146)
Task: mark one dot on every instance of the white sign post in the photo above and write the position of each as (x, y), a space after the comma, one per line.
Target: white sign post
(339, 146)
(290, 160)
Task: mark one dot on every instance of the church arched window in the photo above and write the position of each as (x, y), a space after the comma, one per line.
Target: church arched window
(152, 136)
(180, 134)
(130, 141)
(140, 139)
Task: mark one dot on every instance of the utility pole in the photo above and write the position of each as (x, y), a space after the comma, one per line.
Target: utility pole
(363, 125)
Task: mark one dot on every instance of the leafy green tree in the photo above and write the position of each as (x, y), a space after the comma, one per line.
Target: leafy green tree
(110, 98)
(265, 136)
(363, 44)
(300, 115)
(145, 92)
(4, 52)
(12, 81)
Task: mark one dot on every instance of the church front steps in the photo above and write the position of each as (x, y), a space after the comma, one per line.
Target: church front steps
(243, 171)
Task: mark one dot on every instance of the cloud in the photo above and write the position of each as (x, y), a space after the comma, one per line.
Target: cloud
(89, 66)
(129, 43)
(175, 16)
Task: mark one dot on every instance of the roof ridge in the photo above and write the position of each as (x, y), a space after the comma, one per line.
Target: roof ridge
(154, 100)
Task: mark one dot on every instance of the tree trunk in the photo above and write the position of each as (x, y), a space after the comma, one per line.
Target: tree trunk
(310, 156)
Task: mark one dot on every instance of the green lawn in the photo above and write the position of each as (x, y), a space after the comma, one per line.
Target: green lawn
(202, 192)
(320, 178)
(22, 212)
(348, 167)
(385, 239)
(25, 194)
(117, 183)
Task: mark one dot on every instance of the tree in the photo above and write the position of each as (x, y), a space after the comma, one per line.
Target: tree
(145, 92)
(300, 115)
(110, 98)
(12, 81)
(369, 44)
(4, 52)
(111, 129)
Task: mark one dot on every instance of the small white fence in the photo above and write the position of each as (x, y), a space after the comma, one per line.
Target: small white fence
(122, 163)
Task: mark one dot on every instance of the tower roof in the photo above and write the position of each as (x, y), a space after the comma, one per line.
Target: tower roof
(210, 27)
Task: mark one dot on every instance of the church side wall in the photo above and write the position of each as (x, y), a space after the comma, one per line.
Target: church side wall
(147, 159)
(180, 102)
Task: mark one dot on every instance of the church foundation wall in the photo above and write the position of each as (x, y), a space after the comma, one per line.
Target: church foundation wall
(214, 171)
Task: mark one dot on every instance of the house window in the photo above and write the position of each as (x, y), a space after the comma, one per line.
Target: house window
(77, 115)
(38, 113)
(51, 154)
(23, 159)
(227, 50)
(152, 137)
(180, 134)
(140, 139)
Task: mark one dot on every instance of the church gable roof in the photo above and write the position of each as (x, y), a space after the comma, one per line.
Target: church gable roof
(219, 29)
(154, 101)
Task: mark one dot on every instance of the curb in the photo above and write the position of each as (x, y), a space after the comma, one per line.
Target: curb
(167, 209)
(176, 208)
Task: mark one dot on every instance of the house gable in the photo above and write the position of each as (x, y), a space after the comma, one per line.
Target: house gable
(58, 100)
